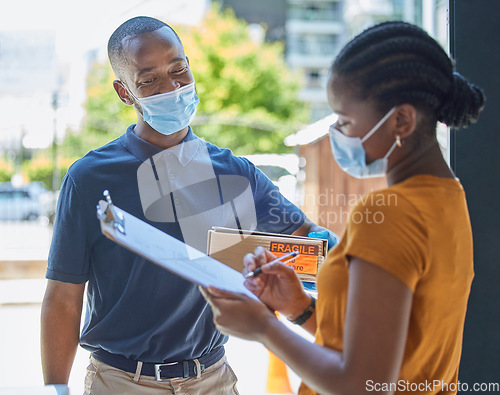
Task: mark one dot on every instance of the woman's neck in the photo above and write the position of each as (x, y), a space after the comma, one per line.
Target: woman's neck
(428, 160)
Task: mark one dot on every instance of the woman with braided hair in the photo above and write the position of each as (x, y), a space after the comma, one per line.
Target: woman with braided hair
(392, 296)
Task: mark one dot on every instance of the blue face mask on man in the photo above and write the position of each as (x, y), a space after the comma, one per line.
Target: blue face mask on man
(350, 154)
(169, 112)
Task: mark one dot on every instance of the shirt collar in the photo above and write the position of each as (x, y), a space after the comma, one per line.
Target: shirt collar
(143, 150)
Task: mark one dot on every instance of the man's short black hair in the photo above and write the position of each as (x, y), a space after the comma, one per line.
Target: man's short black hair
(132, 27)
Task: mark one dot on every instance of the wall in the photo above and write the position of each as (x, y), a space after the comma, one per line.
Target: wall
(474, 33)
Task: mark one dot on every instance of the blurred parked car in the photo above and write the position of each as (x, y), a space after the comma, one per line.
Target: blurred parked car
(25, 203)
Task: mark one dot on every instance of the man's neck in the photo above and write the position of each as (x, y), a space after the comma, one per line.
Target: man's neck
(145, 132)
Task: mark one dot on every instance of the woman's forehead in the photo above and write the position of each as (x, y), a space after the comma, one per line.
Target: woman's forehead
(344, 97)
(339, 94)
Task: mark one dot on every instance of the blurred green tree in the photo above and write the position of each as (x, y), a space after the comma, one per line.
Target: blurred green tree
(40, 168)
(248, 95)
(106, 116)
(6, 170)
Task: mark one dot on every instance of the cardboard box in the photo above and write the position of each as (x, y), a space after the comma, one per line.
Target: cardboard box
(229, 246)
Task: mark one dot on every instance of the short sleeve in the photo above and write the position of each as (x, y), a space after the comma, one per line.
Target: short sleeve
(275, 213)
(69, 256)
(387, 230)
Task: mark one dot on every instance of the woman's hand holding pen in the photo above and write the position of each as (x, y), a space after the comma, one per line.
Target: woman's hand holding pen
(278, 286)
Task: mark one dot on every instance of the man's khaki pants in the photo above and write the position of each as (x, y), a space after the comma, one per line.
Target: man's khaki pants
(102, 379)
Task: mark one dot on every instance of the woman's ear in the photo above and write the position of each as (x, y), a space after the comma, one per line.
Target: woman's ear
(406, 121)
(122, 92)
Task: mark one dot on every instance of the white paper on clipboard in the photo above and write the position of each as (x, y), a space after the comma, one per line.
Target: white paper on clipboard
(166, 251)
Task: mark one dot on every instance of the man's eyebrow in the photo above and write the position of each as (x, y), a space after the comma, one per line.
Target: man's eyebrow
(149, 69)
(144, 71)
(178, 59)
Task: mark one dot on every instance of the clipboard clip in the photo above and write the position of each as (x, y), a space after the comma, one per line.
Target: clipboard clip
(110, 215)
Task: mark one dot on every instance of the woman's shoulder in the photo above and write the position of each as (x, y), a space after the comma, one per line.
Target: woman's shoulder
(394, 203)
(413, 191)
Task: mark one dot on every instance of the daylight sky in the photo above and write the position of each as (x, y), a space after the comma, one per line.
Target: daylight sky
(88, 23)
(78, 26)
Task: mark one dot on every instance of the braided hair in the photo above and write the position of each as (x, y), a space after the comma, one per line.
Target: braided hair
(396, 62)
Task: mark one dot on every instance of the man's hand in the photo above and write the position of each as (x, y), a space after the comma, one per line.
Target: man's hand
(310, 229)
(332, 238)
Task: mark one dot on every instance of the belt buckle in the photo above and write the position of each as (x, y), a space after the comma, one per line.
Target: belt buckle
(158, 367)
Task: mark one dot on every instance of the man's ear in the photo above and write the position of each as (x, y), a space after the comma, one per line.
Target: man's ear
(406, 121)
(122, 92)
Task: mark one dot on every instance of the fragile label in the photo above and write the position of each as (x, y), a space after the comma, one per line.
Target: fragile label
(305, 263)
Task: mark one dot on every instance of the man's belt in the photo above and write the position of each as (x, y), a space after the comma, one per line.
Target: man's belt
(162, 370)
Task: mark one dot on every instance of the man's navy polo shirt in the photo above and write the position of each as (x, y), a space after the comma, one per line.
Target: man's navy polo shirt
(135, 308)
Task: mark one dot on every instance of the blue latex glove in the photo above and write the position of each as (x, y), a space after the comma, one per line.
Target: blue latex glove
(310, 287)
(332, 238)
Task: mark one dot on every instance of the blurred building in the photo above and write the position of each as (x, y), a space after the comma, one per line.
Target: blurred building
(429, 14)
(270, 15)
(315, 30)
(28, 76)
(312, 31)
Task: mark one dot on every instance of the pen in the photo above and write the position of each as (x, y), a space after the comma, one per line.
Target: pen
(283, 259)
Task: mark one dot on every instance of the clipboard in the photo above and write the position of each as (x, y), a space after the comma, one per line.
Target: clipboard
(166, 251)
